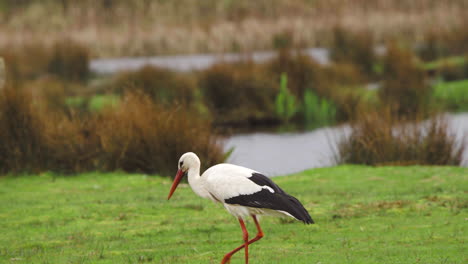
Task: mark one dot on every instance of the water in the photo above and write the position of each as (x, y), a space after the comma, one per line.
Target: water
(279, 154)
(186, 63)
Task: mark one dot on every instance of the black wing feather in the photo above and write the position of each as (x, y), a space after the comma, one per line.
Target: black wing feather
(279, 200)
(263, 180)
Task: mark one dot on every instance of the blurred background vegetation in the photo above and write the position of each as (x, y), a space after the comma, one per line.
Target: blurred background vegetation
(391, 64)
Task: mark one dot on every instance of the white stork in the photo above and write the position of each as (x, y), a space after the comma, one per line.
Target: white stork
(242, 191)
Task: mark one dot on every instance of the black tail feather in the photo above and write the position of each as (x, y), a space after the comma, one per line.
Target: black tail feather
(297, 210)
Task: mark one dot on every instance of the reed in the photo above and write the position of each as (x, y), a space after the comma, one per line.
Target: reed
(127, 28)
(381, 138)
(404, 88)
(141, 136)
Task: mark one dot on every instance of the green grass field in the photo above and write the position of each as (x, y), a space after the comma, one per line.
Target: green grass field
(363, 215)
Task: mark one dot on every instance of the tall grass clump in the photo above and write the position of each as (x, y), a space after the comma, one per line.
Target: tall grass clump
(141, 136)
(450, 69)
(354, 48)
(303, 72)
(2, 73)
(285, 103)
(21, 133)
(72, 142)
(25, 62)
(162, 85)
(443, 42)
(239, 94)
(69, 61)
(404, 87)
(380, 138)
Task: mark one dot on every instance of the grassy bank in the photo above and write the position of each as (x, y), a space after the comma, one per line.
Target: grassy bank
(363, 215)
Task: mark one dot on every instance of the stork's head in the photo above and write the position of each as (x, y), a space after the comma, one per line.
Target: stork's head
(186, 162)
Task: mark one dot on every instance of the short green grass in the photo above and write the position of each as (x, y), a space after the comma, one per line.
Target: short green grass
(363, 215)
(454, 95)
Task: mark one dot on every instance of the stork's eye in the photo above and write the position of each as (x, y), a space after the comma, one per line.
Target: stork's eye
(181, 163)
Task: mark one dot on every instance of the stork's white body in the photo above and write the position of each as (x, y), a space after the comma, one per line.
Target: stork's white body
(243, 192)
(224, 181)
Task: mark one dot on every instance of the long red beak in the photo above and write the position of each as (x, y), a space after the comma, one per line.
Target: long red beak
(176, 182)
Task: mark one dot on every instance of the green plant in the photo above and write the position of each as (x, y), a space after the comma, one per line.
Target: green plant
(317, 111)
(286, 106)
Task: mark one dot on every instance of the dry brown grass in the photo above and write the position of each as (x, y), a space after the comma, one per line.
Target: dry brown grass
(354, 48)
(162, 85)
(115, 28)
(145, 137)
(21, 133)
(404, 88)
(140, 136)
(302, 71)
(239, 94)
(380, 138)
(65, 59)
(72, 142)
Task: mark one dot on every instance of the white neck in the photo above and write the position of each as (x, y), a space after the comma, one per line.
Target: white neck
(196, 182)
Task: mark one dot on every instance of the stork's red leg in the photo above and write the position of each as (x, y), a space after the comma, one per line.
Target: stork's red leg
(259, 231)
(228, 256)
(259, 235)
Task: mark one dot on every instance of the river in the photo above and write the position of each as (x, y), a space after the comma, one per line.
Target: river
(186, 63)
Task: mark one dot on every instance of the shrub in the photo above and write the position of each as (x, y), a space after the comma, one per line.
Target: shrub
(343, 74)
(25, 62)
(404, 86)
(240, 93)
(69, 60)
(162, 85)
(21, 145)
(72, 142)
(146, 137)
(439, 42)
(451, 72)
(2, 73)
(65, 59)
(380, 138)
(354, 48)
(303, 72)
